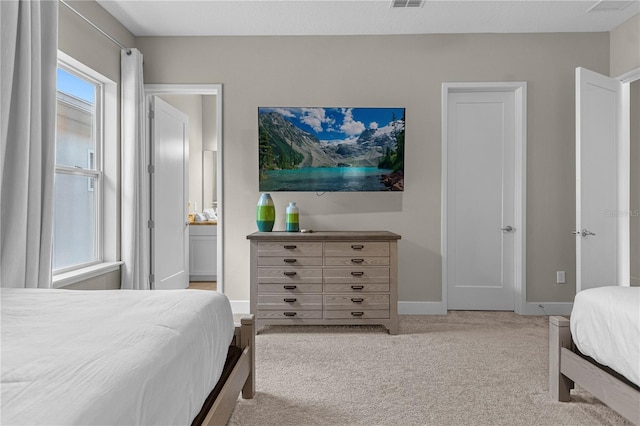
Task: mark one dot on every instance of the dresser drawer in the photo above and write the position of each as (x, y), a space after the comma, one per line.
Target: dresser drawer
(287, 301)
(356, 288)
(357, 261)
(356, 275)
(290, 314)
(291, 261)
(289, 288)
(353, 248)
(358, 314)
(289, 248)
(289, 275)
(334, 302)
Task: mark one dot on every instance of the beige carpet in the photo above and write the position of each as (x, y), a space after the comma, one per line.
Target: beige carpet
(465, 368)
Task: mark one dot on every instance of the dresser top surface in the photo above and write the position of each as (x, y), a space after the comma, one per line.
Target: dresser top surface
(325, 236)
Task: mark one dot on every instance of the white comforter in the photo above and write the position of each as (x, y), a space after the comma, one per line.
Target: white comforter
(110, 357)
(605, 325)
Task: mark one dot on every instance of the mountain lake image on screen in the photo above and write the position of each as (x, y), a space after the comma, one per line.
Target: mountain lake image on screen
(331, 149)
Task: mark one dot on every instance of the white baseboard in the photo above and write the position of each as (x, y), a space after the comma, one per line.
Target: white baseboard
(548, 308)
(421, 308)
(240, 306)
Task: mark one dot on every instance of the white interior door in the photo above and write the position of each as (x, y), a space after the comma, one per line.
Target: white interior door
(169, 189)
(481, 186)
(598, 109)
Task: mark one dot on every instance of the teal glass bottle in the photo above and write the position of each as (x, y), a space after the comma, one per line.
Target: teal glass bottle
(265, 213)
(293, 218)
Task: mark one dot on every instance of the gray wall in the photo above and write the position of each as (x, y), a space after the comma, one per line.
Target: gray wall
(402, 71)
(381, 71)
(625, 47)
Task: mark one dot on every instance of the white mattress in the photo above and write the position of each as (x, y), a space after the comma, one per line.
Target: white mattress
(110, 357)
(605, 325)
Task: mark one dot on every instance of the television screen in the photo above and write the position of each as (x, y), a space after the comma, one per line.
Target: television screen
(331, 149)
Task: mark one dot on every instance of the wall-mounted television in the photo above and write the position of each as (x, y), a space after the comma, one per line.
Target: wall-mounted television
(331, 149)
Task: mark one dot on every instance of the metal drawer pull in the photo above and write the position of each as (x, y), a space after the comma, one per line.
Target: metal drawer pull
(290, 314)
(290, 287)
(357, 246)
(357, 314)
(290, 273)
(357, 260)
(290, 247)
(290, 300)
(290, 260)
(357, 299)
(357, 274)
(357, 287)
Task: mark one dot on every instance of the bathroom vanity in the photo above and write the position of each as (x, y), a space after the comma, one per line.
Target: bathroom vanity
(203, 251)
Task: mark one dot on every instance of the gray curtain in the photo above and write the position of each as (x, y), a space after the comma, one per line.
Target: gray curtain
(135, 213)
(29, 50)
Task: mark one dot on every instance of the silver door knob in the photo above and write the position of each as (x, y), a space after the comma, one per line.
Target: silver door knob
(586, 232)
(508, 228)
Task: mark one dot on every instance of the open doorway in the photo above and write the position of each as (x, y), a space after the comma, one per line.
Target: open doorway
(204, 206)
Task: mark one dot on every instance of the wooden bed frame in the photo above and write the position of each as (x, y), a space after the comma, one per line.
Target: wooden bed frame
(241, 377)
(567, 367)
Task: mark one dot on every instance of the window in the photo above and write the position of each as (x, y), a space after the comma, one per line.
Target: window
(85, 172)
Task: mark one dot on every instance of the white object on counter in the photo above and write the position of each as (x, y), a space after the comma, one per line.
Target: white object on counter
(210, 214)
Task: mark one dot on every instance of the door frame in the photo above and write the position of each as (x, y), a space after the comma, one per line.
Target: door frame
(200, 89)
(519, 89)
(624, 178)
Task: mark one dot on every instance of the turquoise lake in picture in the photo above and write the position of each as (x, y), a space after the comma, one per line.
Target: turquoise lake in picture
(324, 179)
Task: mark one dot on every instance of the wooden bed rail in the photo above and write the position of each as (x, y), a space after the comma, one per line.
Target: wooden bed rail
(567, 367)
(242, 377)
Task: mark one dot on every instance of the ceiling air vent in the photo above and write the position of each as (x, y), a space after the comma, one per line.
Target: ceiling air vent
(609, 6)
(407, 3)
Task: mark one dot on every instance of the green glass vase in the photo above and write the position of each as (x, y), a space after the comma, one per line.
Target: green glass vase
(265, 213)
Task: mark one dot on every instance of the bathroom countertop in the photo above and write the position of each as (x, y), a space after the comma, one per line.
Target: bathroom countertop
(204, 222)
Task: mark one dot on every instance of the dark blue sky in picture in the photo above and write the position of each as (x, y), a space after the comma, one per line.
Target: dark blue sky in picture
(337, 124)
(75, 86)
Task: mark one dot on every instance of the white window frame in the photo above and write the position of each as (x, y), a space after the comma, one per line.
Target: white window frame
(106, 161)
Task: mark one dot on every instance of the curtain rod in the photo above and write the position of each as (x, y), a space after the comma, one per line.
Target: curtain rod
(113, 40)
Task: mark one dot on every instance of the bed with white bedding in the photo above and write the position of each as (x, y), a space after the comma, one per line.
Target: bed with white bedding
(111, 357)
(599, 349)
(605, 325)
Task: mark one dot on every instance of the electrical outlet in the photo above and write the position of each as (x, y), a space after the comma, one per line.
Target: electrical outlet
(560, 277)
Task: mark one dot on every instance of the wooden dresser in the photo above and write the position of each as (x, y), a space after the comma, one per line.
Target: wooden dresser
(325, 278)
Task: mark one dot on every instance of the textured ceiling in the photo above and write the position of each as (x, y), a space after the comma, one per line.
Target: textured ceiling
(353, 17)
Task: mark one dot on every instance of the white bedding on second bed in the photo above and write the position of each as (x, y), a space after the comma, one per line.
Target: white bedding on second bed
(111, 357)
(605, 325)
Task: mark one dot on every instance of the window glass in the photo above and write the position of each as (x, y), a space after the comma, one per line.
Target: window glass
(76, 202)
(75, 125)
(74, 221)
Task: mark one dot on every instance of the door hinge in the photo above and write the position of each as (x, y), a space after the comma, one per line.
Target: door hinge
(152, 278)
(151, 224)
(151, 168)
(152, 115)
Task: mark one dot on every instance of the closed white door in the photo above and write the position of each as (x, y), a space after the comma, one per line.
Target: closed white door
(480, 200)
(598, 108)
(169, 189)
